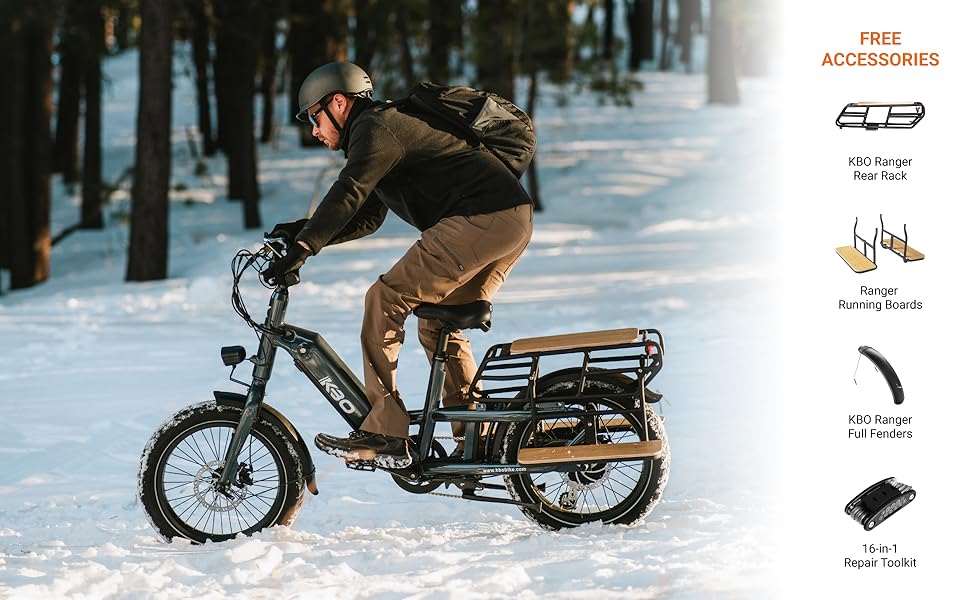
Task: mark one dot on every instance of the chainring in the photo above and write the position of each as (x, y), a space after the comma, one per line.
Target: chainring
(419, 486)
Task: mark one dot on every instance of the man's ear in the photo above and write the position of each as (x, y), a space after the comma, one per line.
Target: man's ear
(344, 103)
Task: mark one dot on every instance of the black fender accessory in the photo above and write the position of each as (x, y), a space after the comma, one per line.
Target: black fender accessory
(883, 366)
(879, 501)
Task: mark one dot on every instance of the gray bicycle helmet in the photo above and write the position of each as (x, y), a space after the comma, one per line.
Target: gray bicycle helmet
(336, 77)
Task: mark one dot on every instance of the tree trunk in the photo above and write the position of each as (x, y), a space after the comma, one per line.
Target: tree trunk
(267, 85)
(91, 200)
(200, 58)
(123, 29)
(401, 22)
(649, 29)
(722, 81)
(639, 20)
(365, 44)
(221, 71)
(688, 14)
(547, 40)
(17, 249)
(318, 35)
(26, 145)
(148, 248)
(608, 35)
(37, 147)
(754, 38)
(443, 35)
(334, 25)
(70, 49)
(239, 45)
(495, 47)
(665, 59)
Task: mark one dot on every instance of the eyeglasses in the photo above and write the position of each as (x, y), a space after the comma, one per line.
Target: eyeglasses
(312, 117)
(323, 104)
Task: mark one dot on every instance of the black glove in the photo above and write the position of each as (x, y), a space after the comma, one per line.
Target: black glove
(287, 231)
(280, 271)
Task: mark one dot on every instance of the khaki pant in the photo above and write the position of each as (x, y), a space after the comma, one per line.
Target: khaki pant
(458, 260)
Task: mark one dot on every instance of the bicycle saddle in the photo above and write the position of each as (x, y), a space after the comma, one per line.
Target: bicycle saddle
(474, 315)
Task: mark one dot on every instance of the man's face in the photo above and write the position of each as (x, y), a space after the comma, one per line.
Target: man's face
(323, 129)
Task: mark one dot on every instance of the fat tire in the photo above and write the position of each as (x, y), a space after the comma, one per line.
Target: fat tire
(282, 445)
(653, 478)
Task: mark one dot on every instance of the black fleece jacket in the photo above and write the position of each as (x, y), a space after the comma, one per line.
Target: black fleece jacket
(411, 163)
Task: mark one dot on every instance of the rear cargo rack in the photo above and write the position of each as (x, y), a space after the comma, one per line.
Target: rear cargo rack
(881, 115)
(509, 372)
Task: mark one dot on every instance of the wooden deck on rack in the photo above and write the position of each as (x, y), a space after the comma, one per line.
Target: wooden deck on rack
(607, 423)
(590, 453)
(608, 337)
(898, 246)
(855, 259)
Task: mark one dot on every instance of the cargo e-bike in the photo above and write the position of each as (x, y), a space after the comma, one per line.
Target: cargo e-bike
(574, 445)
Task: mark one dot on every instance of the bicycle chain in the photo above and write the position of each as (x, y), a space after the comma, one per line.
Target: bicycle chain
(444, 495)
(457, 438)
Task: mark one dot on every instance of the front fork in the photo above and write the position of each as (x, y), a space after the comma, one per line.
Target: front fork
(257, 390)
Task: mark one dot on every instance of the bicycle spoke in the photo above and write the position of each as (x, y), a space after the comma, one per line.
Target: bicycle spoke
(190, 472)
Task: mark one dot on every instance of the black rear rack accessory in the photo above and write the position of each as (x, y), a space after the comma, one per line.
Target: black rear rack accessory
(881, 115)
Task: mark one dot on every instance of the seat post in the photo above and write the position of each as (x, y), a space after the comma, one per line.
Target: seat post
(436, 386)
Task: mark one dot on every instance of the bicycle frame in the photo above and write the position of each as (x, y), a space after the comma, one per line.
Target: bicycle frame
(337, 383)
(329, 373)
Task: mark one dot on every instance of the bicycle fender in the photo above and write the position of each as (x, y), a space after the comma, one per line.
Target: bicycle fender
(883, 366)
(281, 421)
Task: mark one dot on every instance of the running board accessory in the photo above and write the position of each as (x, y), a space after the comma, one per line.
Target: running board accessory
(899, 246)
(606, 424)
(881, 115)
(590, 453)
(859, 261)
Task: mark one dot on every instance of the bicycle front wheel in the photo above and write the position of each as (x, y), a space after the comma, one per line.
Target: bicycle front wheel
(184, 459)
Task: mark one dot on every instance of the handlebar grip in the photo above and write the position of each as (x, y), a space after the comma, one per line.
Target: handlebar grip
(291, 278)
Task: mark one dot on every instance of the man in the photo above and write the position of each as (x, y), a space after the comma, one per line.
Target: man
(475, 219)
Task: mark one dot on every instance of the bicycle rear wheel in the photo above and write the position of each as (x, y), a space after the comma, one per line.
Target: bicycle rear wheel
(612, 492)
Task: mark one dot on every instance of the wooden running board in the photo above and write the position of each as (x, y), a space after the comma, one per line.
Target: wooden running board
(590, 453)
(608, 337)
(856, 260)
(609, 424)
(898, 246)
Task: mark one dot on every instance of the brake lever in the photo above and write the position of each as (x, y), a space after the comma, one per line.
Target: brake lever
(276, 245)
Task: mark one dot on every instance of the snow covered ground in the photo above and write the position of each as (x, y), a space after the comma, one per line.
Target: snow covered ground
(657, 216)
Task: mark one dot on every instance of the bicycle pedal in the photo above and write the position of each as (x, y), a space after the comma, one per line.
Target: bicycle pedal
(361, 465)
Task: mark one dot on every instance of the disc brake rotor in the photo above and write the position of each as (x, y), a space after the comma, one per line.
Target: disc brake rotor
(207, 494)
(590, 478)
